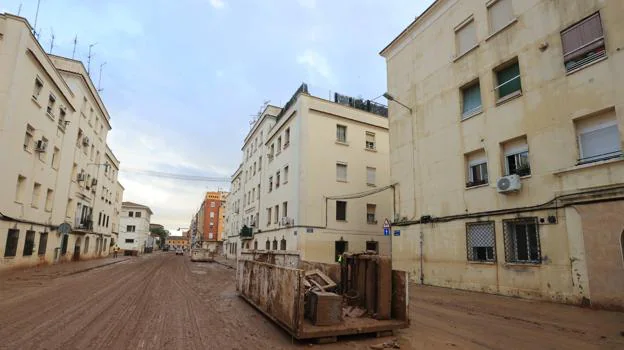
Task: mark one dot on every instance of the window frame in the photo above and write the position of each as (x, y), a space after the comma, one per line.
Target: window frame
(462, 26)
(587, 60)
(476, 110)
(341, 205)
(371, 220)
(500, 68)
(470, 254)
(340, 165)
(599, 121)
(341, 137)
(370, 145)
(511, 242)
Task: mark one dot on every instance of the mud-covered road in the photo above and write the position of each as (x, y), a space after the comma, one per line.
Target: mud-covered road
(164, 301)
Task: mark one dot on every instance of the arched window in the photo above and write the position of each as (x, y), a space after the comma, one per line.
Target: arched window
(255, 245)
(274, 243)
(268, 244)
(283, 244)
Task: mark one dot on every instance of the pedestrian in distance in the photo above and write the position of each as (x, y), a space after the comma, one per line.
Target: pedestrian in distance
(115, 251)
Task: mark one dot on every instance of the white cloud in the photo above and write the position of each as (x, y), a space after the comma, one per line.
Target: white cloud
(316, 63)
(218, 4)
(310, 4)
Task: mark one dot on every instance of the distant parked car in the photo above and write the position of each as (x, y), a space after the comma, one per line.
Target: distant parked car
(179, 251)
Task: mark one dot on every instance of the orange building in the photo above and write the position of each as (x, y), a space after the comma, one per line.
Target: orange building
(213, 210)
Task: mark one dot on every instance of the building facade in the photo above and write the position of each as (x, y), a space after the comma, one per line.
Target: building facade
(323, 184)
(53, 130)
(233, 217)
(506, 147)
(134, 230)
(174, 242)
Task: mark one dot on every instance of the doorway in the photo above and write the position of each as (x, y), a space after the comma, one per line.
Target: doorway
(76, 255)
(64, 244)
(341, 247)
(372, 246)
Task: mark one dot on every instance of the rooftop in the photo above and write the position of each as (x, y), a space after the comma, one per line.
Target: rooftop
(136, 205)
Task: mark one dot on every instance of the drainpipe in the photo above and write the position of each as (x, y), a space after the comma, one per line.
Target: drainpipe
(422, 274)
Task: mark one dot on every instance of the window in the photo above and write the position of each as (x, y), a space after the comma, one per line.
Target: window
(268, 216)
(253, 193)
(276, 217)
(370, 213)
(51, 103)
(598, 137)
(37, 89)
(36, 195)
(129, 240)
(583, 43)
(212, 214)
(100, 219)
(277, 180)
(517, 157)
(283, 244)
(10, 248)
(522, 244)
(43, 243)
(260, 163)
(270, 183)
(61, 120)
(340, 248)
(274, 244)
(69, 207)
(107, 217)
(272, 152)
(286, 138)
(341, 210)
(371, 174)
(279, 145)
(341, 172)
(254, 168)
(49, 199)
(501, 14)
(20, 188)
(213, 204)
(285, 209)
(130, 228)
(471, 100)
(79, 139)
(28, 137)
(131, 214)
(370, 140)
(508, 82)
(286, 174)
(29, 244)
(480, 241)
(477, 169)
(137, 214)
(372, 246)
(465, 37)
(56, 158)
(341, 133)
(268, 244)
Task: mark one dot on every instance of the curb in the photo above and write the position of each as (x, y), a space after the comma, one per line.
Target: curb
(95, 267)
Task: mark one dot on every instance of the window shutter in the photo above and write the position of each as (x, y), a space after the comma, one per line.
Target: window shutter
(370, 176)
(501, 14)
(472, 99)
(600, 142)
(341, 172)
(370, 137)
(515, 146)
(466, 37)
(582, 37)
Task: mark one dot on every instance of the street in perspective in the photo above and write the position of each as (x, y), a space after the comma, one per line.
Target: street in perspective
(402, 174)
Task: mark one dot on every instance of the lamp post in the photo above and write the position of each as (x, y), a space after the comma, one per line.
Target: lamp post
(391, 98)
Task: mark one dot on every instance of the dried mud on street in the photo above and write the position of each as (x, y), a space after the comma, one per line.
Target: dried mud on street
(164, 301)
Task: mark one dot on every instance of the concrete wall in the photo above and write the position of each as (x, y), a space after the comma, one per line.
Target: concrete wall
(429, 146)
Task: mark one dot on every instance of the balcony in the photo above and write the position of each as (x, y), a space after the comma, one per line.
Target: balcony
(83, 225)
(246, 232)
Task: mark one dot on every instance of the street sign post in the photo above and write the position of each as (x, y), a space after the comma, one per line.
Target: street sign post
(386, 227)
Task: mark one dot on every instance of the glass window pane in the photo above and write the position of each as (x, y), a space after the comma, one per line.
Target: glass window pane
(472, 99)
(511, 80)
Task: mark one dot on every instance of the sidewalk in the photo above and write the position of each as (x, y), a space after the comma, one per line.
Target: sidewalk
(231, 263)
(58, 270)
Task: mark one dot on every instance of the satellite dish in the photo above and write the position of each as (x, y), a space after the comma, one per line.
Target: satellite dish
(64, 228)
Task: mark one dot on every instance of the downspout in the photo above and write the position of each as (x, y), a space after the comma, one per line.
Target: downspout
(422, 274)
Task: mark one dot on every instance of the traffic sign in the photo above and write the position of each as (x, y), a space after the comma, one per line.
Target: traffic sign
(386, 231)
(386, 223)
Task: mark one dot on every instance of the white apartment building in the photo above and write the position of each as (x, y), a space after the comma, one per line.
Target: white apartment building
(232, 215)
(53, 128)
(134, 223)
(325, 183)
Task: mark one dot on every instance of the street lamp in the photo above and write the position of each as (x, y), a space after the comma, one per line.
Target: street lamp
(391, 98)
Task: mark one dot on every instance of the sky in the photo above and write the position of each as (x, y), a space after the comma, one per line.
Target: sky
(183, 78)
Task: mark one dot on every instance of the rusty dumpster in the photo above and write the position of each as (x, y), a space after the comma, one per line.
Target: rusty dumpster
(280, 293)
(200, 254)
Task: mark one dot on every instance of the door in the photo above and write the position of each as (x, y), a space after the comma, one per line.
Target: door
(64, 244)
(76, 255)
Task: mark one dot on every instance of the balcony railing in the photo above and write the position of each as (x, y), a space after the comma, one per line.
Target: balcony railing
(246, 232)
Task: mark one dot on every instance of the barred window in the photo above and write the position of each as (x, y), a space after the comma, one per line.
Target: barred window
(480, 241)
(522, 244)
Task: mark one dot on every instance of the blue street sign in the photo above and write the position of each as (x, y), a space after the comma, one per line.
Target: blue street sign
(386, 232)
(397, 232)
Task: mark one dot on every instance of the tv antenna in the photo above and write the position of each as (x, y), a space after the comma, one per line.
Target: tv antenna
(255, 117)
(99, 89)
(51, 40)
(19, 9)
(75, 43)
(89, 58)
(36, 17)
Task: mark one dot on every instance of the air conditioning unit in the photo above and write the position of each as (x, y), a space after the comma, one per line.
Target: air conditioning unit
(41, 146)
(82, 177)
(85, 141)
(286, 221)
(510, 183)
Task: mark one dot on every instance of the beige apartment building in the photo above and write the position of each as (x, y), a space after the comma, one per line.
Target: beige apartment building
(324, 182)
(56, 178)
(506, 123)
(233, 217)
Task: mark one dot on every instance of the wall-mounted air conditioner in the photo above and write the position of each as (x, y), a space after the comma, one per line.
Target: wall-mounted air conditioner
(509, 183)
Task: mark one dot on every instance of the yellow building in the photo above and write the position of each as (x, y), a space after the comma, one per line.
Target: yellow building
(177, 242)
(506, 122)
